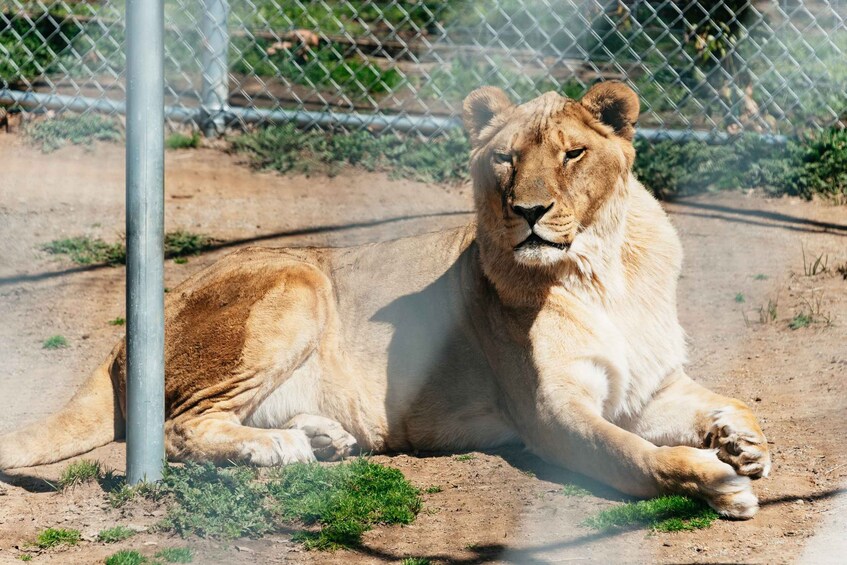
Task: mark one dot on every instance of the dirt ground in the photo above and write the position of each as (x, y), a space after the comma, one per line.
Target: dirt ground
(495, 507)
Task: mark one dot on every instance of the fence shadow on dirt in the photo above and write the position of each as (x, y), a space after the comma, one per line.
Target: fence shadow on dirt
(330, 228)
(763, 218)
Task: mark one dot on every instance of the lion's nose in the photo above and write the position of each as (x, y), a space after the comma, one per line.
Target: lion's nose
(531, 213)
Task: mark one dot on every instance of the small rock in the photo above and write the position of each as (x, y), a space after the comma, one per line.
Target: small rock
(244, 549)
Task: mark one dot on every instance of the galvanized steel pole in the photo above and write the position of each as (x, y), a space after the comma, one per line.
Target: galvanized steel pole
(145, 441)
(215, 93)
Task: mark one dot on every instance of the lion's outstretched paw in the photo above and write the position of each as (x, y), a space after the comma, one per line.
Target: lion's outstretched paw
(739, 441)
(329, 440)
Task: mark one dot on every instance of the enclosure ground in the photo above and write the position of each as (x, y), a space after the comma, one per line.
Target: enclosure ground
(742, 251)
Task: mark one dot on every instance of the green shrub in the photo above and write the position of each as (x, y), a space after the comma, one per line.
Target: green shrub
(181, 141)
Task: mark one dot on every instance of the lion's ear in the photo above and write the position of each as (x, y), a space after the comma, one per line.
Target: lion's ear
(480, 108)
(615, 104)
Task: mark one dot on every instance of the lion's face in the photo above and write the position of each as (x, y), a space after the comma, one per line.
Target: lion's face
(543, 169)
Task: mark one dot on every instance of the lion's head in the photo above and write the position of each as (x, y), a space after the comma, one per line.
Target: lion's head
(544, 169)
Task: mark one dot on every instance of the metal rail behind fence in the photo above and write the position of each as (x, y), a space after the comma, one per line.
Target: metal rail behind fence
(701, 68)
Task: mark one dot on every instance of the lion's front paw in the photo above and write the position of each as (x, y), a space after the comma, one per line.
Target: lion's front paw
(329, 440)
(739, 441)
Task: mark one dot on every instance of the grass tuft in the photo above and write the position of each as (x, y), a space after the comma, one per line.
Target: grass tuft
(54, 133)
(127, 557)
(119, 321)
(739, 298)
(571, 489)
(416, 561)
(52, 537)
(465, 457)
(55, 342)
(433, 489)
(181, 141)
(176, 555)
(664, 514)
(79, 472)
(801, 320)
(114, 535)
(86, 250)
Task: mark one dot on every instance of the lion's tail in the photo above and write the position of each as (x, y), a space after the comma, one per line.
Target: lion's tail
(90, 419)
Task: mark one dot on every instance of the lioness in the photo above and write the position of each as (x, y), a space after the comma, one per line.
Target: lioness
(550, 322)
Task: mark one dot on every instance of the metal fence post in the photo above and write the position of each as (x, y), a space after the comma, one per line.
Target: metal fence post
(145, 241)
(215, 93)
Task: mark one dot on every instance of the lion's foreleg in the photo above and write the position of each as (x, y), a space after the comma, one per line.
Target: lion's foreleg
(686, 413)
(569, 430)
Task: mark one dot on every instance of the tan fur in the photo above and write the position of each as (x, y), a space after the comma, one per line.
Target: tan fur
(551, 322)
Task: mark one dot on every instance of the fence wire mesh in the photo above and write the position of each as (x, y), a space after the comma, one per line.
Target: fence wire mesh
(729, 66)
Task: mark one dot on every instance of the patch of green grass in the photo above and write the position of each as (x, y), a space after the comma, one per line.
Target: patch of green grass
(760, 277)
(127, 557)
(465, 457)
(119, 321)
(340, 501)
(176, 555)
(416, 561)
(55, 342)
(180, 260)
(86, 250)
(178, 140)
(739, 298)
(433, 489)
(25, 557)
(79, 472)
(665, 514)
(289, 150)
(801, 320)
(51, 134)
(571, 489)
(114, 535)
(52, 537)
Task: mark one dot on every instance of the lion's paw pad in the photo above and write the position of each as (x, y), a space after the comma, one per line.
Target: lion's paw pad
(739, 442)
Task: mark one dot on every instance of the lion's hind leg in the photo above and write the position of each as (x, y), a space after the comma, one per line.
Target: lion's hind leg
(283, 330)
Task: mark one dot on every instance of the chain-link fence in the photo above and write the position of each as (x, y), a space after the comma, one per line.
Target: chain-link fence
(718, 67)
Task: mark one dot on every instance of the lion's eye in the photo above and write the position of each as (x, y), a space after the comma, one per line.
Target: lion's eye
(573, 153)
(503, 158)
